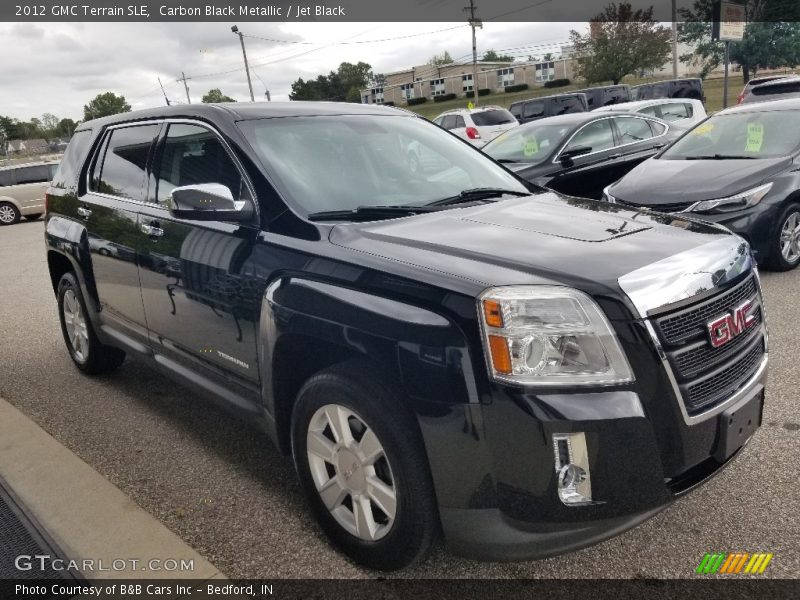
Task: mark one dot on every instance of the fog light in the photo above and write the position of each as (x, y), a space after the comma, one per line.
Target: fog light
(572, 468)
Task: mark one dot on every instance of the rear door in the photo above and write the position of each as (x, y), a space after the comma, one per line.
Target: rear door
(116, 191)
(533, 110)
(200, 307)
(637, 140)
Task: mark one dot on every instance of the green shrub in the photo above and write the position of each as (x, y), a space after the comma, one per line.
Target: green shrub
(481, 92)
(520, 87)
(415, 101)
(444, 98)
(557, 83)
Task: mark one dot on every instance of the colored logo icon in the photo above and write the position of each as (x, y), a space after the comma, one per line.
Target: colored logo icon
(734, 563)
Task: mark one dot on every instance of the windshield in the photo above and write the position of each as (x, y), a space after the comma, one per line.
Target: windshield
(528, 144)
(341, 162)
(492, 117)
(745, 135)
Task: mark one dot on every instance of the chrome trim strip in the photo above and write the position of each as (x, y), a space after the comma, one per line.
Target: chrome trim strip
(556, 160)
(756, 379)
(687, 274)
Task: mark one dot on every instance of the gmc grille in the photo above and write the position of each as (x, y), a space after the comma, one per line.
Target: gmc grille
(707, 376)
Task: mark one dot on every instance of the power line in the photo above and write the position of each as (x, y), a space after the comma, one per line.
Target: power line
(346, 43)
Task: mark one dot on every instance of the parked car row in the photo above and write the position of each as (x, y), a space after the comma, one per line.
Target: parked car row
(22, 190)
(447, 350)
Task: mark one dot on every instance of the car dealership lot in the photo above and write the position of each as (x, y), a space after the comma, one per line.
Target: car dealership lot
(232, 497)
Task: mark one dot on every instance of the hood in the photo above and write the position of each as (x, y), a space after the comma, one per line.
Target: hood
(659, 181)
(544, 238)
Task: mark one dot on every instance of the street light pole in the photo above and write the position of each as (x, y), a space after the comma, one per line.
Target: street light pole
(235, 29)
(474, 23)
(674, 39)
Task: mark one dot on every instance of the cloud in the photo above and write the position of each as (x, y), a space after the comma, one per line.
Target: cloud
(59, 67)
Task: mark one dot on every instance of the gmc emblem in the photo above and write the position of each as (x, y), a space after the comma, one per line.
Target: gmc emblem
(723, 329)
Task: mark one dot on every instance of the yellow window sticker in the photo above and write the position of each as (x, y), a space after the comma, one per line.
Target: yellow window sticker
(755, 137)
(704, 128)
(530, 146)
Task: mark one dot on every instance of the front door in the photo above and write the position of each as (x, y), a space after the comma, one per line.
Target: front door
(201, 310)
(109, 209)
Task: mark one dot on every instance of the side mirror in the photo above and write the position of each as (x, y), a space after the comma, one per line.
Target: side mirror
(567, 155)
(208, 202)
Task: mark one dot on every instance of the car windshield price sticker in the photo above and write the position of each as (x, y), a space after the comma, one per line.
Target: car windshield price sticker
(755, 137)
(704, 128)
(529, 146)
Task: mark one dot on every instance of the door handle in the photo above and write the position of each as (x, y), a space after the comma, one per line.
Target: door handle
(84, 212)
(657, 146)
(615, 156)
(152, 229)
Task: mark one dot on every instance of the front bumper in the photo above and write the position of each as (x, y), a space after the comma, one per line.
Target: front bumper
(754, 224)
(497, 487)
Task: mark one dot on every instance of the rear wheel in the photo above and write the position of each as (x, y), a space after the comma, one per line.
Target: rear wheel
(8, 214)
(786, 240)
(363, 468)
(86, 351)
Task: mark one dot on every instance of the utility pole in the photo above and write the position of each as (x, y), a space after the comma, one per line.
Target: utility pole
(162, 91)
(185, 86)
(474, 22)
(674, 39)
(235, 29)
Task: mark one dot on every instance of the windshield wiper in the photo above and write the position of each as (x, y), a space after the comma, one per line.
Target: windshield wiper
(368, 212)
(507, 160)
(477, 194)
(719, 157)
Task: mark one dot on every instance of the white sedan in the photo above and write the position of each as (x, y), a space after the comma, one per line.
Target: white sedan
(684, 112)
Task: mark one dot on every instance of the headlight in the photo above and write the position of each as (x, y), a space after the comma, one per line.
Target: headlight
(731, 203)
(549, 336)
(607, 197)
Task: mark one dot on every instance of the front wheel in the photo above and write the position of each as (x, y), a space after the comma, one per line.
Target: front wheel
(363, 468)
(786, 240)
(87, 352)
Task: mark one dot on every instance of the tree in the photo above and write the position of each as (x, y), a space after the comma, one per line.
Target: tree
(343, 85)
(621, 41)
(437, 60)
(548, 57)
(104, 105)
(492, 56)
(66, 127)
(216, 95)
(771, 37)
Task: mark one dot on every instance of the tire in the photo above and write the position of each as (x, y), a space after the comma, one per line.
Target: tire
(385, 455)
(9, 214)
(785, 252)
(87, 352)
(33, 217)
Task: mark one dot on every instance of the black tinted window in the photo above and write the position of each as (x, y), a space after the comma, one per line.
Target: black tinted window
(595, 136)
(566, 105)
(191, 155)
(68, 170)
(449, 122)
(534, 110)
(460, 122)
(492, 117)
(121, 165)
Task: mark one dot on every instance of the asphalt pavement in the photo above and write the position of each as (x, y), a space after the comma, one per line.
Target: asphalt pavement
(229, 494)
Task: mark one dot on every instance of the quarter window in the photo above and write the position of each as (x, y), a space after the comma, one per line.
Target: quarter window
(192, 155)
(122, 162)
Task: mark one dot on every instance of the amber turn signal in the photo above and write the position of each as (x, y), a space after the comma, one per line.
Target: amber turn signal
(492, 313)
(501, 357)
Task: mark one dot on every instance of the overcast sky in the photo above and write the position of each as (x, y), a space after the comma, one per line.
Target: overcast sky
(58, 68)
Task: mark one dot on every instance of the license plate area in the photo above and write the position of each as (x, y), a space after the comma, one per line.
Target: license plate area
(737, 424)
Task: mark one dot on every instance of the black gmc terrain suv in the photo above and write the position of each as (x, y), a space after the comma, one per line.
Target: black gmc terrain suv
(441, 350)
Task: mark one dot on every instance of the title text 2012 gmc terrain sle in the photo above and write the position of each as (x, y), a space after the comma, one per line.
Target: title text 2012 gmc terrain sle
(442, 350)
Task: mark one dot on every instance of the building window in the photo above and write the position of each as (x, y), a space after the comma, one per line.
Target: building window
(437, 87)
(407, 91)
(545, 72)
(466, 82)
(505, 77)
(377, 95)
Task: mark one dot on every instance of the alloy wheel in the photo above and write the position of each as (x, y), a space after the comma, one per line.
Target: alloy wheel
(790, 238)
(7, 214)
(75, 322)
(351, 472)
